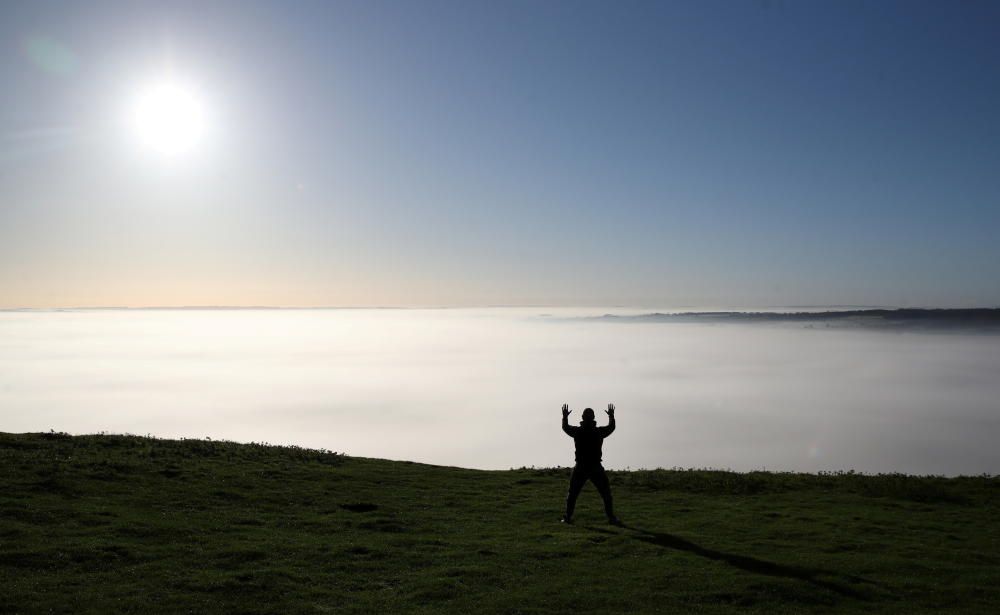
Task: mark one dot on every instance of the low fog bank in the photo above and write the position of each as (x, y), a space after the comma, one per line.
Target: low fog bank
(482, 388)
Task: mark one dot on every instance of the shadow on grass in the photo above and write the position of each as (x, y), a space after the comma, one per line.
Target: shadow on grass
(747, 563)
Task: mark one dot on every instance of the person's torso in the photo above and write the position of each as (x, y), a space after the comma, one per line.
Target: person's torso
(588, 445)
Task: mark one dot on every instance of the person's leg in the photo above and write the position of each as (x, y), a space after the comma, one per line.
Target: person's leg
(576, 482)
(600, 480)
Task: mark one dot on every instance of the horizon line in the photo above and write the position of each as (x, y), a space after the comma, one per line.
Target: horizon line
(460, 307)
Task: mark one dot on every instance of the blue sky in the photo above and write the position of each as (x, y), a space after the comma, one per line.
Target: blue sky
(465, 153)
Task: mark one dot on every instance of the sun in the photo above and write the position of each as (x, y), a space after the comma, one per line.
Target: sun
(169, 117)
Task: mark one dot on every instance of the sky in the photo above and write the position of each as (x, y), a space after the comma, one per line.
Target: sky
(702, 153)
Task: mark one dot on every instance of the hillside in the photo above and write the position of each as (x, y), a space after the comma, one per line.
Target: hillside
(971, 320)
(102, 524)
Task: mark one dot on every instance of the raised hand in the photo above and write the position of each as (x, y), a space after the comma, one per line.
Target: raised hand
(566, 410)
(611, 410)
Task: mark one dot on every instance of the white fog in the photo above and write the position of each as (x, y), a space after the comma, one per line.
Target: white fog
(482, 387)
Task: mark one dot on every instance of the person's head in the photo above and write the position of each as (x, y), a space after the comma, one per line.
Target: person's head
(588, 416)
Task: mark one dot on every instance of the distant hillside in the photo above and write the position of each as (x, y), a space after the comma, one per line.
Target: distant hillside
(976, 319)
(114, 524)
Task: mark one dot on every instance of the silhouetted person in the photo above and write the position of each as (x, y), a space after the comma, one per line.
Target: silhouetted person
(588, 438)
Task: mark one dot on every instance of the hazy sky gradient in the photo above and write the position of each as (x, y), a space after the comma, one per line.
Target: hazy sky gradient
(465, 153)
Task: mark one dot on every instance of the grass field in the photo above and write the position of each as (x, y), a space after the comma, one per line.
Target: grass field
(102, 524)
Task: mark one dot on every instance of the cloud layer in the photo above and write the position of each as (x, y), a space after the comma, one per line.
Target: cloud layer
(482, 388)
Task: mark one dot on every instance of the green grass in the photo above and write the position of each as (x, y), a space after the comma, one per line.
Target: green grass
(101, 524)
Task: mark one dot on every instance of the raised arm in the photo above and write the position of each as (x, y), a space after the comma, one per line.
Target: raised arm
(606, 431)
(565, 422)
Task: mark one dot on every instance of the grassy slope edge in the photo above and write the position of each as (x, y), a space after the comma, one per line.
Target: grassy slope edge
(123, 523)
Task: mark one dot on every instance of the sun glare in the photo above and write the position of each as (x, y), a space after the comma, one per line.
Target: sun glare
(169, 118)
